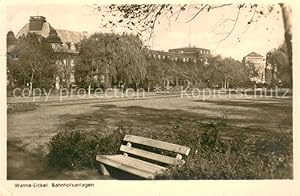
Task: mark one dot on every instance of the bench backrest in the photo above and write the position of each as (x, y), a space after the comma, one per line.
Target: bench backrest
(176, 149)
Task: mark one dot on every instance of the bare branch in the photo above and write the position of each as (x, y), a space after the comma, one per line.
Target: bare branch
(219, 6)
(249, 22)
(233, 26)
(178, 15)
(197, 13)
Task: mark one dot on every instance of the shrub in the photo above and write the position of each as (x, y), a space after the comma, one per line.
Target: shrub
(212, 156)
(241, 157)
(77, 149)
(21, 107)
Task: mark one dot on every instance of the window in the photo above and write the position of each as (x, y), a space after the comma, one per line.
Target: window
(206, 62)
(72, 46)
(72, 63)
(54, 46)
(72, 77)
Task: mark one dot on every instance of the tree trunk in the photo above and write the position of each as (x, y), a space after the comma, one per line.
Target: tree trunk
(227, 83)
(287, 21)
(31, 80)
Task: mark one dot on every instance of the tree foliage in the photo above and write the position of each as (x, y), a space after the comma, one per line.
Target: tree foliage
(227, 72)
(121, 57)
(278, 59)
(219, 72)
(34, 62)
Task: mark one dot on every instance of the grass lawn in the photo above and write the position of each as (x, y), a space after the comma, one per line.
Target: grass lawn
(29, 132)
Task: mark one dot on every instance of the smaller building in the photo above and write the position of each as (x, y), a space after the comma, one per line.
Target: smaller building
(259, 62)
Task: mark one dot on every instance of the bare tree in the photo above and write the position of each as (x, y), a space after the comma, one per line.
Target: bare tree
(142, 18)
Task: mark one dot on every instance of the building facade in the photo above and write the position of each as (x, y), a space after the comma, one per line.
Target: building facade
(259, 62)
(63, 42)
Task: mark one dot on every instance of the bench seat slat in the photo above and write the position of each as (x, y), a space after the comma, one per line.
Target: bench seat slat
(131, 165)
(151, 155)
(157, 144)
(143, 165)
(140, 164)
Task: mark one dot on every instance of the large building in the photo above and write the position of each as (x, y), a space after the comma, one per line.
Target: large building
(66, 44)
(187, 54)
(63, 42)
(191, 51)
(183, 55)
(259, 63)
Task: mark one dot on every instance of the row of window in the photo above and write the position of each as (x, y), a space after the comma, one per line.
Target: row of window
(175, 58)
(70, 46)
(71, 62)
(257, 58)
(204, 51)
(201, 51)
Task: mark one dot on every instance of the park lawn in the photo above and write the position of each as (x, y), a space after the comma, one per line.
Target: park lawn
(29, 132)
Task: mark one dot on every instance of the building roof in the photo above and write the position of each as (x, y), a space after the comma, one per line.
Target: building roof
(253, 54)
(187, 55)
(187, 49)
(53, 37)
(65, 35)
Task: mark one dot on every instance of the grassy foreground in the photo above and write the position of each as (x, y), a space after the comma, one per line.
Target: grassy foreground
(255, 136)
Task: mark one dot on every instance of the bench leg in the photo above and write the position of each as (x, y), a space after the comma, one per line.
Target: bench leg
(103, 170)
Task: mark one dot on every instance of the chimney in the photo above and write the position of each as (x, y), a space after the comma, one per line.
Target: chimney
(36, 23)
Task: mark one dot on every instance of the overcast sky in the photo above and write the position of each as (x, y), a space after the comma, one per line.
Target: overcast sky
(205, 31)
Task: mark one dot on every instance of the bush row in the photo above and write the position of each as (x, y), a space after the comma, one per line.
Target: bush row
(211, 157)
(21, 107)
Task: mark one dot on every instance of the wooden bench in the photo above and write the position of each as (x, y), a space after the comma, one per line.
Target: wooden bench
(144, 163)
